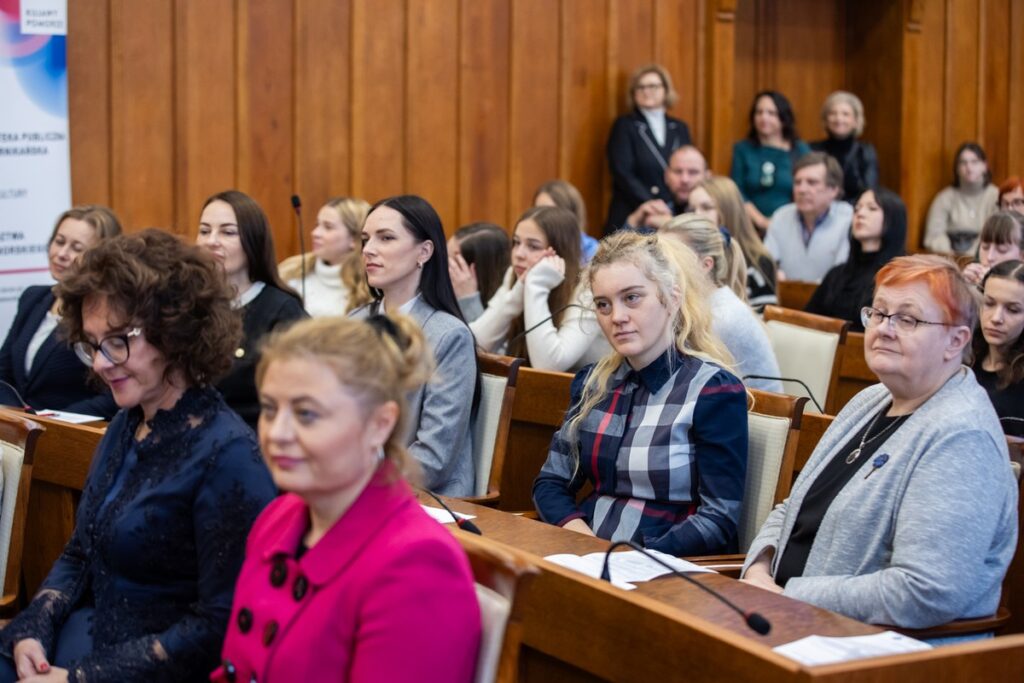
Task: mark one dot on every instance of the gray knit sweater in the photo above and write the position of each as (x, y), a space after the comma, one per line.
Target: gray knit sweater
(927, 537)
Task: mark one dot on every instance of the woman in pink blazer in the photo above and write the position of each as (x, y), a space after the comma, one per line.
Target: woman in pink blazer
(345, 577)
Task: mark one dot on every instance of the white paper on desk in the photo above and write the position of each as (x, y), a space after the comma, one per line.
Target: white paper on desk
(443, 516)
(625, 568)
(64, 416)
(818, 650)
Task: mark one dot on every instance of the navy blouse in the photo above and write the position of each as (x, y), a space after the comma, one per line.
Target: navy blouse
(160, 558)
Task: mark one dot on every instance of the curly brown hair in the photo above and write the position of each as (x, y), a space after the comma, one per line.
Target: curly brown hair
(174, 291)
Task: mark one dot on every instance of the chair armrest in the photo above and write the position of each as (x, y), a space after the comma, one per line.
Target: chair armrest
(728, 565)
(489, 499)
(959, 627)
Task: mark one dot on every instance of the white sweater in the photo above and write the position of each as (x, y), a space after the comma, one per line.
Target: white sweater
(325, 295)
(577, 342)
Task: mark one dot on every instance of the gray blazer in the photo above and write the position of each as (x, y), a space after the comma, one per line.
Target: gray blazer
(439, 412)
(928, 536)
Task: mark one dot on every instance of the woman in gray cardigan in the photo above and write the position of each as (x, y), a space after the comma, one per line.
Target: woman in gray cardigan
(406, 264)
(906, 512)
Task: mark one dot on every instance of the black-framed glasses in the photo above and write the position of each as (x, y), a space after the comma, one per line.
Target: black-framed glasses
(114, 348)
(901, 322)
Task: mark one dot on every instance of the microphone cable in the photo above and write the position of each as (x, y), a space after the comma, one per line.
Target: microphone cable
(461, 522)
(791, 379)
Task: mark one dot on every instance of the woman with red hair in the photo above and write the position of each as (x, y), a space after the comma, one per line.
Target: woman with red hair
(869, 530)
(1011, 194)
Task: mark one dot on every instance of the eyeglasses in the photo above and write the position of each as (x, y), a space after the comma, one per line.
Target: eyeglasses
(114, 348)
(1015, 204)
(650, 86)
(872, 317)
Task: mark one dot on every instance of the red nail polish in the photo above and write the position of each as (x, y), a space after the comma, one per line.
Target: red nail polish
(44, 667)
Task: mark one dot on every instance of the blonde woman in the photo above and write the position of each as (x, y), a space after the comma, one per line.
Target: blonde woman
(334, 279)
(732, 320)
(719, 200)
(658, 426)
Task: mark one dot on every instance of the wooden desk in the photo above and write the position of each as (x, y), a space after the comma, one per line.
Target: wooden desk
(580, 629)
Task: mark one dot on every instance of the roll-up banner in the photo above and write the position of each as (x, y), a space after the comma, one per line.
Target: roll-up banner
(35, 165)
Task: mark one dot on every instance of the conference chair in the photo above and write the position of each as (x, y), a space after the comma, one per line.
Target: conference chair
(538, 409)
(773, 429)
(808, 348)
(18, 437)
(491, 424)
(501, 575)
(794, 294)
(854, 373)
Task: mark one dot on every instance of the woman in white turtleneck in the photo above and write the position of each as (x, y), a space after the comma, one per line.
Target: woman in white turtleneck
(959, 211)
(641, 143)
(334, 282)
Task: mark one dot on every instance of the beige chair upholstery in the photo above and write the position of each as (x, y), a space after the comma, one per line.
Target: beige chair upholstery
(804, 354)
(17, 444)
(766, 448)
(485, 428)
(494, 612)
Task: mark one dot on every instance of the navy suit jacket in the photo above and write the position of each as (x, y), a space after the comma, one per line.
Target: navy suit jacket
(57, 379)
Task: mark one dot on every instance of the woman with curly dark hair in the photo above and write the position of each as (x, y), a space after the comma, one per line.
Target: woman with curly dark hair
(143, 589)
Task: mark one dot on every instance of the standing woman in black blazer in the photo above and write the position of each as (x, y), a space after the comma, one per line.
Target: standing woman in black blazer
(40, 366)
(235, 230)
(641, 143)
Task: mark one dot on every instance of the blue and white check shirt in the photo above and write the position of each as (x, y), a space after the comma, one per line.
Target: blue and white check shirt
(666, 452)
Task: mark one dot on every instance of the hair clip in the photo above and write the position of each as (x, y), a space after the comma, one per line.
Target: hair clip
(725, 235)
(877, 464)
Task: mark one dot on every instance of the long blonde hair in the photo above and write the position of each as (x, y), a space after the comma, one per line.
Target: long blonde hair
(700, 235)
(378, 360)
(733, 215)
(353, 212)
(672, 268)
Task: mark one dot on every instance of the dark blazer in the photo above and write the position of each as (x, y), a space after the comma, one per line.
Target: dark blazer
(158, 542)
(638, 162)
(859, 161)
(262, 315)
(57, 379)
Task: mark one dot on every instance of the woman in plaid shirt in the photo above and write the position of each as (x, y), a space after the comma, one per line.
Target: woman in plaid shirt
(658, 427)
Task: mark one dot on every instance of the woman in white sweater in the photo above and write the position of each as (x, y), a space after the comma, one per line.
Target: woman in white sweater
(958, 212)
(330, 278)
(732, 320)
(539, 312)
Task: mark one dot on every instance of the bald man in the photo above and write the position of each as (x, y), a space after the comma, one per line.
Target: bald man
(686, 168)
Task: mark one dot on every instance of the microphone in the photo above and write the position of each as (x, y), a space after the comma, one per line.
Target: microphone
(297, 206)
(24, 406)
(461, 522)
(791, 379)
(757, 623)
(522, 334)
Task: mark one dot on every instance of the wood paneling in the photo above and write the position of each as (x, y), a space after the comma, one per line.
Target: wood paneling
(473, 103)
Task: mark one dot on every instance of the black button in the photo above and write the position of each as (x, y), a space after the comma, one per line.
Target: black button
(229, 670)
(269, 631)
(299, 588)
(279, 573)
(244, 619)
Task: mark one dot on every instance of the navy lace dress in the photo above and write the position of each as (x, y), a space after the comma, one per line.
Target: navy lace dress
(143, 589)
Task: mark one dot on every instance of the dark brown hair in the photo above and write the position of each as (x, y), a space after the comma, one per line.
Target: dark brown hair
(173, 291)
(1013, 371)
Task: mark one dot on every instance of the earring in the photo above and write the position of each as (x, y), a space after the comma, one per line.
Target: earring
(419, 265)
(380, 454)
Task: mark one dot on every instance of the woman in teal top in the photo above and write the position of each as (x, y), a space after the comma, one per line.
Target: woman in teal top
(762, 164)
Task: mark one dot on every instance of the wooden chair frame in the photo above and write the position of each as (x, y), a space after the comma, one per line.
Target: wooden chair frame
(17, 429)
(507, 367)
(507, 572)
(794, 294)
(822, 324)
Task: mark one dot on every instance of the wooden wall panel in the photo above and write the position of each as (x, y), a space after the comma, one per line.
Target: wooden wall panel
(679, 46)
(1015, 85)
(993, 95)
(89, 101)
(142, 112)
(204, 107)
(432, 120)
(378, 98)
(483, 112)
(323, 93)
(585, 112)
(533, 104)
(265, 122)
(962, 72)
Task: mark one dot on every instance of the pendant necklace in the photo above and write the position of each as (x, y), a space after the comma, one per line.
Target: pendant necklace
(864, 440)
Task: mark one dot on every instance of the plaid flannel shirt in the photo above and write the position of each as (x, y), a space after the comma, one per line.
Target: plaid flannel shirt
(666, 452)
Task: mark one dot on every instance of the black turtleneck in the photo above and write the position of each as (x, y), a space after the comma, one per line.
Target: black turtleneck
(858, 160)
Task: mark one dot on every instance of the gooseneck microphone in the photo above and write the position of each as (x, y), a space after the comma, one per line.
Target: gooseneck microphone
(522, 334)
(297, 206)
(25, 406)
(791, 379)
(461, 522)
(757, 623)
